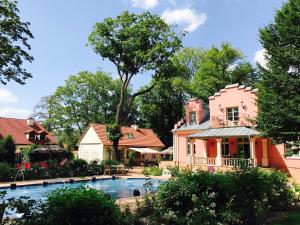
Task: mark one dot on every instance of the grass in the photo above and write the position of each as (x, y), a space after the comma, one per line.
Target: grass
(290, 218)
(152, 171)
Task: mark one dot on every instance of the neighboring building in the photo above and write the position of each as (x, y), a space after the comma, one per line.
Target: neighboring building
(26, 132)
(229, 136)
(94, 144)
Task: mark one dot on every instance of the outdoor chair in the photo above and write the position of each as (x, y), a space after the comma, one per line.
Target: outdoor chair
(106, 170)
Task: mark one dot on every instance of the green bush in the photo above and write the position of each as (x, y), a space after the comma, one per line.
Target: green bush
(152, 171)
(238, 197)
(80, 206)
(84, 206)
(110, 162)
(6, 172)
(95, 168)
(79, 167)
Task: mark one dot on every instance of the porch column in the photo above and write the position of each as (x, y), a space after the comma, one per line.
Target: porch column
(174, 147)
(252, 150)
(125, 154)
(219, 152)
(204, 153)
(192, 142)
(265, 158)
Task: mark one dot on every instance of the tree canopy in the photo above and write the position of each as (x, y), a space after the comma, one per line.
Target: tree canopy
(160, 109)
(14, 44)
(84, 98)
(278, 93)
(207, 71)
(135, 44)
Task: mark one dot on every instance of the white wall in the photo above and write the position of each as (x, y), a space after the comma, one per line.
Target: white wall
(90, 146)
(90, 137)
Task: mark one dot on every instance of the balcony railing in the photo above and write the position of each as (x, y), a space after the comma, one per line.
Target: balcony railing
(204, 161)
(236, 162)
(227, 162)
(222, 121)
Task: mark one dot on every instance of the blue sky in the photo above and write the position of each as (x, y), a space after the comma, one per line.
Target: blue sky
(61, 29)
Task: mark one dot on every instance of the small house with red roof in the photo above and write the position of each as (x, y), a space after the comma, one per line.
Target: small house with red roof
(26, 132)
(94, 144)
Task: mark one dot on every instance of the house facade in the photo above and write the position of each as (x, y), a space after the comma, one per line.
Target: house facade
(94, 144)
(26, 132)
(228, 137)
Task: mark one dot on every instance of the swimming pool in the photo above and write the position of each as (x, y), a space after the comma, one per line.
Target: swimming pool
(117, 188)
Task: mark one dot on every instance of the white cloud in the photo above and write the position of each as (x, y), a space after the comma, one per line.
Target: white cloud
(232, 67)
(189, 17)
(260, 57)
(14, 113)
(144, 4)
(7, 96)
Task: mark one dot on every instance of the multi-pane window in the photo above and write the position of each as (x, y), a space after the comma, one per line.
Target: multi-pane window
(232, 114)
(225, 147)
(31, 136)
(192, 117)
(188, 147)
(243, 150)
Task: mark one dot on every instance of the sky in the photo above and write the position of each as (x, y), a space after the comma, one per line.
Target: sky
(61, 29)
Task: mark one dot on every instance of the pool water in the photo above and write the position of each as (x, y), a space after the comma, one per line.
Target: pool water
(118, 188)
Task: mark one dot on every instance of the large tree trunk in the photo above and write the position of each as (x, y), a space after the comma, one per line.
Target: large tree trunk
(115, 155)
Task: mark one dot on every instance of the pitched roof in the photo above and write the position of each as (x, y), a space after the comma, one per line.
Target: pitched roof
(202, 126)
(18, 128)
(226, 132)
(141, 137)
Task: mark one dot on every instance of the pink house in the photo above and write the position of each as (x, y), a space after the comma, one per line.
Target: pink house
(226, 136)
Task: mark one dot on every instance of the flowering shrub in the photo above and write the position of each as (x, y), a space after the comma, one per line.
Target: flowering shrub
(238, 197)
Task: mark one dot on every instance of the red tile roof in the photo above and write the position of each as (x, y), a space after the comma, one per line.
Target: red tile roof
(18, 128)
(141, 137)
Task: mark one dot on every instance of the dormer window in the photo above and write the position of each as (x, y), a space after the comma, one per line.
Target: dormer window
(31, 136)
(232, 114)
(43, 137)
(192, 117)
(130, 136)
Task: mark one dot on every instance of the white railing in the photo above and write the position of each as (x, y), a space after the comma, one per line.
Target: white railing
(204, 161)
(236, 162)
(227, 162)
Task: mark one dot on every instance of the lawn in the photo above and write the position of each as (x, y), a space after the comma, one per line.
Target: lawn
(289, 218)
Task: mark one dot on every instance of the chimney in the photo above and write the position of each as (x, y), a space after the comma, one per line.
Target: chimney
(30, 121)
(135, 126)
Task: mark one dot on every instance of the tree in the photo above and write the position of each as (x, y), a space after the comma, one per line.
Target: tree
(8, 149)
(14, 45)
(84, 98)
(278, 93)
(160, 109)
(135, 44)
(206, 72)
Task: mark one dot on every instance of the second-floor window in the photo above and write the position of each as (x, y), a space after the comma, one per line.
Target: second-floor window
(232, 114)
(192, 117)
